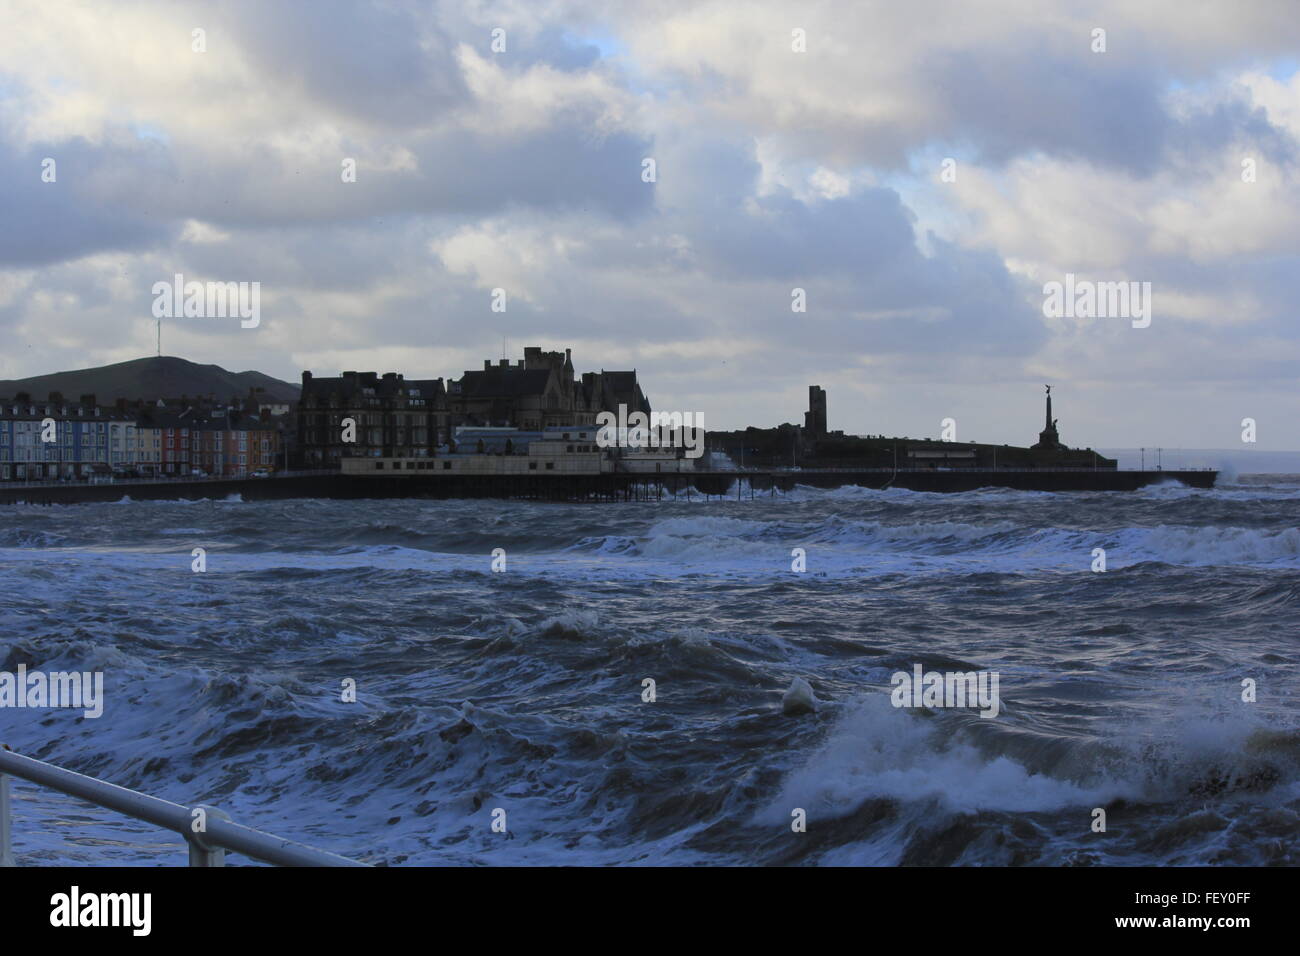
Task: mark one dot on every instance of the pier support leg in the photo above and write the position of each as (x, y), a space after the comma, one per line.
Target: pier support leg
(6, 833)
(201, 852)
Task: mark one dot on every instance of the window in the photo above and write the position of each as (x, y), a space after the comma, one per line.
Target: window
(379, 465)
(446, 466)
(550, 466)
(532, 466)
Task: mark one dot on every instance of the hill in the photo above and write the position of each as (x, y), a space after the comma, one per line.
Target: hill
(150, 379)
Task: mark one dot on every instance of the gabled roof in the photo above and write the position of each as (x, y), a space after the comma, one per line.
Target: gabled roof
(508, 382)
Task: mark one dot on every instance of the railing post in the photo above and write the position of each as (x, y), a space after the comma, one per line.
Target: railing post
(203, 853)
(6, 835)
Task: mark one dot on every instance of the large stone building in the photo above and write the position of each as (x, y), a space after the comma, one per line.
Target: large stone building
(539, 391)
(390, 417)
(399, 418)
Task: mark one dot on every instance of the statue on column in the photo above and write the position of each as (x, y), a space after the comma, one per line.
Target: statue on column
(1048, 438)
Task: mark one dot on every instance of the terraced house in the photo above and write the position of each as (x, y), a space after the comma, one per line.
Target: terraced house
(124, 440)
(233, 448)
(88, 439)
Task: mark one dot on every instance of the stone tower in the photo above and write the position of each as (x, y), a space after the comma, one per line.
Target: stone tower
(814, 420)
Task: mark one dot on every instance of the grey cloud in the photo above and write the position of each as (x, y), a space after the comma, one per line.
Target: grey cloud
(378, 63)
(68, 218)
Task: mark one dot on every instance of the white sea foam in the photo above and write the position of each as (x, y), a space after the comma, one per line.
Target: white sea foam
(727, 547)
(876, 750)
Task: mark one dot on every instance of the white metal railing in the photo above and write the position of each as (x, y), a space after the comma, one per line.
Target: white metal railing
(208, 831)
(155, 480)
(984, 471)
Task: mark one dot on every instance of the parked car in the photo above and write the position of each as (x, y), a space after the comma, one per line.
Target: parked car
(260, 473)
(199, 473)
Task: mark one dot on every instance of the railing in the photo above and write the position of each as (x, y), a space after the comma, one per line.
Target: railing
(208, 831)
(155, 480)
(986, 471)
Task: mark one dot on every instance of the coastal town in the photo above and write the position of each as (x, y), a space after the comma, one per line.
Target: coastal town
(498, 411)
(496, 431)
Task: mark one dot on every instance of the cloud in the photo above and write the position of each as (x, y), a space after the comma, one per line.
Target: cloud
(776, 170)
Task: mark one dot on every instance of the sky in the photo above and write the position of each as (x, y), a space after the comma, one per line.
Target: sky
(920, 170)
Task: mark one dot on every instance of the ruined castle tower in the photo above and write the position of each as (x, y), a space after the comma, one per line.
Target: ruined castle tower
(814, 420)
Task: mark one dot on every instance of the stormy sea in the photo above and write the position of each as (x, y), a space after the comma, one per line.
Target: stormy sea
(609, 687)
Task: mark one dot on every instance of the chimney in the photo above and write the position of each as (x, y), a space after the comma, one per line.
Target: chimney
(487, 364)
(504, 363)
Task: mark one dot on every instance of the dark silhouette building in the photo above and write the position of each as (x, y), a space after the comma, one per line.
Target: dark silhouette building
(814, 420)
(402, 418)
(393, 417)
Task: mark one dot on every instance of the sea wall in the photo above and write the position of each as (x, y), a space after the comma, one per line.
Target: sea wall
(608, 487)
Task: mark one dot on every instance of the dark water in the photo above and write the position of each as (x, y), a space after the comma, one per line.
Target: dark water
(522, 690)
